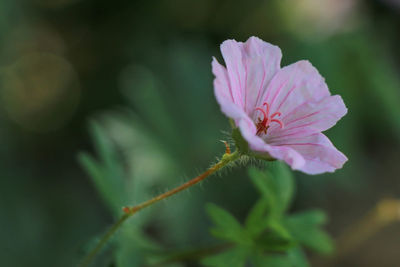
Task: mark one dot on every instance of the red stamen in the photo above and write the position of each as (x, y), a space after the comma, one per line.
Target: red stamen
(267, 108)
(263, 112)
(263, 125)
(278, 121)
(276, 114)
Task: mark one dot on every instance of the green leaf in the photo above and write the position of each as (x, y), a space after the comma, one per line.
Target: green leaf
(297, 258)
(226, 226)
(107, 174)
(235, 257)
(276, 238)
(305, 228)
(107, 154)
(280, 229)
(95, 172)
(310, 217)
(273, 260)
(284, 183)
(294, 257)
(257, 220)
(262, 182)
(265, 184)
(276, 186)
(273, 242)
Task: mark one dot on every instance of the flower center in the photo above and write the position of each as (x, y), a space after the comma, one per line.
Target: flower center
(263, 124)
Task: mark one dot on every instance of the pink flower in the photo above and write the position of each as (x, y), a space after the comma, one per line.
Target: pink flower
(280, 112)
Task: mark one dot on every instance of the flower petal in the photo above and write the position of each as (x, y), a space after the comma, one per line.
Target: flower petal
(251, 66)
(223, 93)
(308, 118)
(232, 53)
(294, 85)
(293, 158)
(262, 61)
(319, 153)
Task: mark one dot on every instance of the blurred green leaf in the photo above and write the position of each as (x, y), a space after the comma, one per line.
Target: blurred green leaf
(256, 220)
(107, 174)
(226, 226)
(276, 238)
(297, 258)
(284, 183)
(235, 257)
(263, 260)
(276, 186)
(305, 229)
(279, 229)
(310, 217)
(273, 242)
(293, 257)
(265, 184)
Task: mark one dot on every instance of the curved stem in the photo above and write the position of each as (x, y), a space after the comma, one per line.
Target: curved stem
(89, 258)
(129, 211)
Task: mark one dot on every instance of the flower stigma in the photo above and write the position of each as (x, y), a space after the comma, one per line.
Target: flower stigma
(263, 124)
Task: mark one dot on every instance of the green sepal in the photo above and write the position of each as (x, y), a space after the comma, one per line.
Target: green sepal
(240, 143)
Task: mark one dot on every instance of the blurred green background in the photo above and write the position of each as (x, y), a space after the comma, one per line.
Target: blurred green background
(135, 77)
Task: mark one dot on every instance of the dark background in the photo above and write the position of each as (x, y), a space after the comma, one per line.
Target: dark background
(141, 70)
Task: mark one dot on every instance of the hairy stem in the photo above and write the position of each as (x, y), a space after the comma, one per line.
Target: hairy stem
(129, 211)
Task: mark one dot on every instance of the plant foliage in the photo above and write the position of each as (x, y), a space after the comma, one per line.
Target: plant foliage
(270, 235)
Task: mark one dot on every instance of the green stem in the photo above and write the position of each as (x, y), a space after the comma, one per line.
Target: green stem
(89, 258)
(129, 211)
